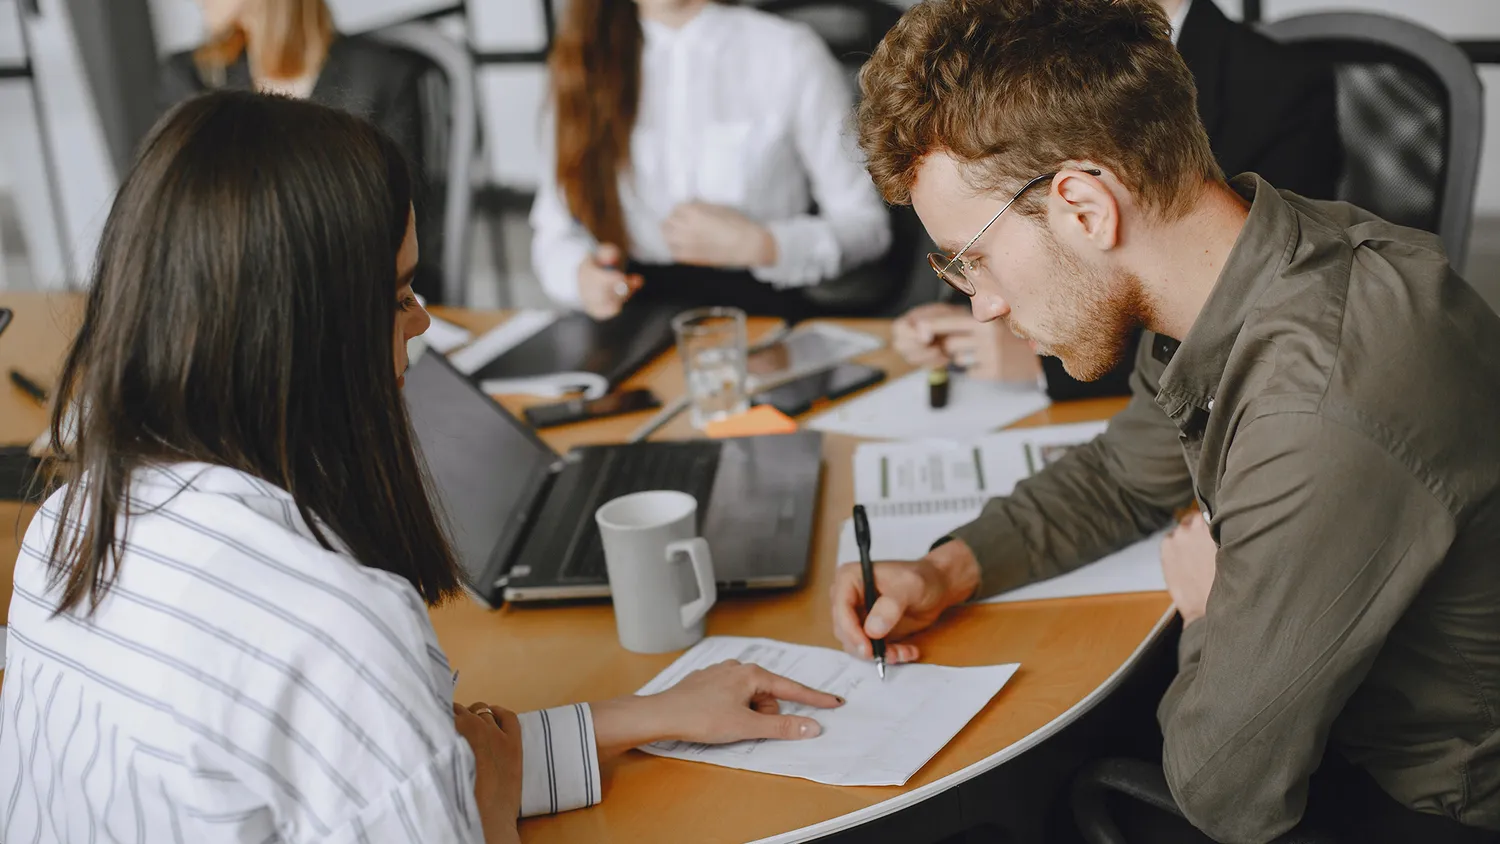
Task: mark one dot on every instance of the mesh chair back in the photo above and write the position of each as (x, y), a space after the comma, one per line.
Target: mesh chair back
(1410, 114)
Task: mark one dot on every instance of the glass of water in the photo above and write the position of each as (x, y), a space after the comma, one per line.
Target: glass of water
(712, 344)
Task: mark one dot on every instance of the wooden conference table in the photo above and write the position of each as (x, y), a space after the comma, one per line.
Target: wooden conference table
(1071, 651)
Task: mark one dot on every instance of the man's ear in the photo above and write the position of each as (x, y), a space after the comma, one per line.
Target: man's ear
(1085, 210)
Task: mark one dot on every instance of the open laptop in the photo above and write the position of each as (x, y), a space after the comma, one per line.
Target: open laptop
(521, 516)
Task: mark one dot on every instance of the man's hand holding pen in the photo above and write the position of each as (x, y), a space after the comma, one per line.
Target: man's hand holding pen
(912, 595)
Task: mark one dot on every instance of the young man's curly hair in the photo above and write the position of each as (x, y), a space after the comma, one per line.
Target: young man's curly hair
(1016, 88)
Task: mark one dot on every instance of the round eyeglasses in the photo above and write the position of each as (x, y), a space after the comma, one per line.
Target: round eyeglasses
(958, 273)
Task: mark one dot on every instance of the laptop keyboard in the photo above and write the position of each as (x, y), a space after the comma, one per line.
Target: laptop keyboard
(687, 467)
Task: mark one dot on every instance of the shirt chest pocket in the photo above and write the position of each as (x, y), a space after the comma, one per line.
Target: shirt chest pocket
(738, 161)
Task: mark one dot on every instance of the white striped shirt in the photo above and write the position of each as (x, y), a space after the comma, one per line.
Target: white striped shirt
(239, 683)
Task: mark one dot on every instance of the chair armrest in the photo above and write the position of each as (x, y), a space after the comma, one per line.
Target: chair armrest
(1147, 783)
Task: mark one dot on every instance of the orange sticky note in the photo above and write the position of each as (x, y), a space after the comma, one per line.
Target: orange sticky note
(757, 421)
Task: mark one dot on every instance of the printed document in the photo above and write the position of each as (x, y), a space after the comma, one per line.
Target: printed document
(883, 734)
(916, 492)
(899, 410)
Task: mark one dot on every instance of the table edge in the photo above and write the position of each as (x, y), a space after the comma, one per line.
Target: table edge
(989, 763)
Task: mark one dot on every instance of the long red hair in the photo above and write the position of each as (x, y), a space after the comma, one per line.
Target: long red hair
(596, 88)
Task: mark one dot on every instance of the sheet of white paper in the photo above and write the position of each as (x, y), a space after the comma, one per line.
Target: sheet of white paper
(899, 410)
(556, 385)
(3, 640)
(916, 471)
(501, 339)
(902, 486)
(1134, 568)
(988, 466)
(904, 537)
(882, 735)
(443, 336)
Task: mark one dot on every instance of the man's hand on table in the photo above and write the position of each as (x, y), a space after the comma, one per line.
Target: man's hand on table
(912, 596)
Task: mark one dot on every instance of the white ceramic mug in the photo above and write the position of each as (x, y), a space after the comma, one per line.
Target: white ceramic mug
(646, 535)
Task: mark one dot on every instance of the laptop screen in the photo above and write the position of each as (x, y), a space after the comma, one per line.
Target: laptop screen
(486, 466)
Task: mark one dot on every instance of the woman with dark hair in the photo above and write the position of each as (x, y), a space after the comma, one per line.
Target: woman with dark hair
(686, 132)
(219, 626)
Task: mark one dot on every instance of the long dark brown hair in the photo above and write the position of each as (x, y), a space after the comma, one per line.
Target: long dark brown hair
(242, 313)
(595, 68)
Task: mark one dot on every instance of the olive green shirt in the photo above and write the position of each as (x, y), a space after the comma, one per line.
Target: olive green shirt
(1335, 411)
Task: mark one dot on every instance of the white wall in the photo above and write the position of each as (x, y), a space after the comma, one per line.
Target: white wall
(86, 175)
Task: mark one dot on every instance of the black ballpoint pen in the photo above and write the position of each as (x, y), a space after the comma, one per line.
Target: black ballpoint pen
(862, 538)
(31, 388)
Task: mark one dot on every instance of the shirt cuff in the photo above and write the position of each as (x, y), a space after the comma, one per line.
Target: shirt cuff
(806, 253)
(1004, 560)
(559, 760)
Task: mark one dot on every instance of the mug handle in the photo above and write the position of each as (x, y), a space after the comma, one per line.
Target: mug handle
(703, 569)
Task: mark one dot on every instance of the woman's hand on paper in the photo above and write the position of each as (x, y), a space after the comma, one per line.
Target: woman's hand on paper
(715, 236)
(603, 287)
(937, 334)
(724, 703)
(494, 734)
(913, 594)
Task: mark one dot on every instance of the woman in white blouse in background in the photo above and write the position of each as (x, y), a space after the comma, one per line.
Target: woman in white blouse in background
(693, 134)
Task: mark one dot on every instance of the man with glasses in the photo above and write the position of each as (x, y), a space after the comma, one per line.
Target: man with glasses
(1319, 382)
(1269, 109)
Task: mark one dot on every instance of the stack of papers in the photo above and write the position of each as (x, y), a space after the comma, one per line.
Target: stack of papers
(883, 734)
(917, 492)
(899, 410)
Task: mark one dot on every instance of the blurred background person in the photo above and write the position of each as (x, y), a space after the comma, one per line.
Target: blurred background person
(291, 47)
(688, 145)
(1267, 109)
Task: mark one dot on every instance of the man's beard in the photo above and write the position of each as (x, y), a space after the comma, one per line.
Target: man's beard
(1095, 312)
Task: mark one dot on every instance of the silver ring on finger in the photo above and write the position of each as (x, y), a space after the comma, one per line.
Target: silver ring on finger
(485, 710)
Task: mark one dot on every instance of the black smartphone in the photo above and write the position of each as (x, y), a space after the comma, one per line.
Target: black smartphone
(579, 410)
(800, 395)
(5, 315)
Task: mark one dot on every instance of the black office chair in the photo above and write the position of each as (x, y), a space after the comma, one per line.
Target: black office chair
(853, 29)
(450, 130)
(1411, 116)
(1145, 782)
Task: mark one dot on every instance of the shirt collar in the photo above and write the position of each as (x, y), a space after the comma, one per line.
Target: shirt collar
(1259, 254)
(657, 35)
(264, 498)
(1178, 18)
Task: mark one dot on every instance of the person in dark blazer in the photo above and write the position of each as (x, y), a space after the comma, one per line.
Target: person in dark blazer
(290, 47)
(1268, 109)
